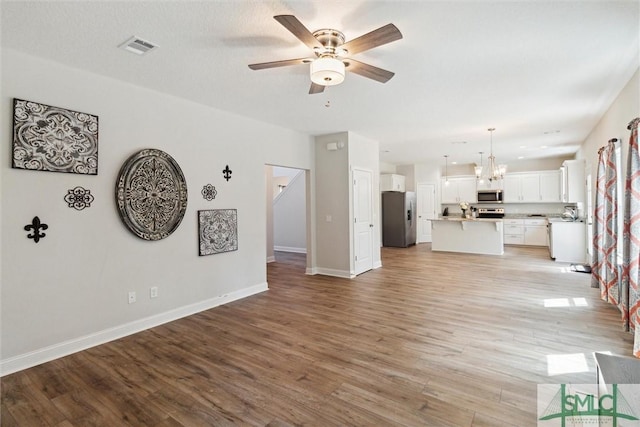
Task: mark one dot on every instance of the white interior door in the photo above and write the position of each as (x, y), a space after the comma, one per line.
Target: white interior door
(426, 200)
(363, 220)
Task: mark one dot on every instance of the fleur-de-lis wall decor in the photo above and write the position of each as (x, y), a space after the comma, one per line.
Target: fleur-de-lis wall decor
(226, 173)
(36, 226)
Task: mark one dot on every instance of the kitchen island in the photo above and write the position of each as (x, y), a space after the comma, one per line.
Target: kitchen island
(467, 235)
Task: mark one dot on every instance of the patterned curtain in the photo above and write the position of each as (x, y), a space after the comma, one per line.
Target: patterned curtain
(630, 304)
(604, 265)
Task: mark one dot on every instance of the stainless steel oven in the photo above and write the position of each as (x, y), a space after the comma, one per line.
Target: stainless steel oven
(490, 212)
(490, 196)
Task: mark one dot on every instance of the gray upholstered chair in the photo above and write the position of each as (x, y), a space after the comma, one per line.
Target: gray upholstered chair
(615, 369)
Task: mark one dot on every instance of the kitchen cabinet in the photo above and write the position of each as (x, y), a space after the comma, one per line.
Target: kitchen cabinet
(522, 188)
(550, 187)
(456, 190)
(535, 232)
(573, 181)
(532, 187)
(525, 231)
(490, 185)
(567, 240)
(513, 231)
(392, 182)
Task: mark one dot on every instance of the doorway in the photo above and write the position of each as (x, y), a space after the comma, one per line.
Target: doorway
(426, 210)
(363, 220)
(287, 214)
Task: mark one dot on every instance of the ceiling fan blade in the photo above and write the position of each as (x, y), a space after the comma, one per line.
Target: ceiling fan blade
(296, 28)
(274, 64)
(368, 71)
(315, 88)
(383, 35)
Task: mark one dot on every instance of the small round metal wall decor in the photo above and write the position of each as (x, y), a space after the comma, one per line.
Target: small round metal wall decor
(209, 192)
(78, 198)
(151, 194)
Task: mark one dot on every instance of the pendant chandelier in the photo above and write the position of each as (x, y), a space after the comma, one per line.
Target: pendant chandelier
(496, 171)
(478, 170)
(446, 175)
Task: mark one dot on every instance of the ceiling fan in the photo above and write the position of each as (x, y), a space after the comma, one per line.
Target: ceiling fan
(333, 54)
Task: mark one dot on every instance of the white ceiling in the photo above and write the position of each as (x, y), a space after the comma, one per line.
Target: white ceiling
(541, 72)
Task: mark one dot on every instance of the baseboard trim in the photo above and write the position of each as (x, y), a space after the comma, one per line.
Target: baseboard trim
(271, 259)
(46, 354)
(332, 272)
(290, 249)
(377, 265)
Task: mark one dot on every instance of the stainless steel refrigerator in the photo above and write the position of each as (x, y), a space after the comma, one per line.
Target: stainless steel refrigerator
(398, 219)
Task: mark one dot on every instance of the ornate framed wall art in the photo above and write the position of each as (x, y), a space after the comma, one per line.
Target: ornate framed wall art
(54, 139)
(151, 194)
(218, 231)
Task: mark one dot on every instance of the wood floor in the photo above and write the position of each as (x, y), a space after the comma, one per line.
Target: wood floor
(430, 339)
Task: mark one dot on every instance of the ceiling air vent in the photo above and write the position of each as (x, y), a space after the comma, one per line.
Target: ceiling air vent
(138, 46)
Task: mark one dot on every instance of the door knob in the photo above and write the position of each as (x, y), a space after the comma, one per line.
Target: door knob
(370, 225)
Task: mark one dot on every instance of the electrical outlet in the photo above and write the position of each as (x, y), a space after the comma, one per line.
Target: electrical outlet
(132, 297)
(153, 292)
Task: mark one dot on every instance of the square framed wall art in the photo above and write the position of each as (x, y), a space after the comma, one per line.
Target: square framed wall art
(218, 231)
(54, 139)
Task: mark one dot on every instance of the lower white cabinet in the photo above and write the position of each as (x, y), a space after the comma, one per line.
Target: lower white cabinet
(521, 231)
(513, 231)
(568, 241)
(535, 232)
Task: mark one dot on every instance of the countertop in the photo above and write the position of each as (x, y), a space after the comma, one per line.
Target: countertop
(532, 216)
(562, 220)
(459, 218)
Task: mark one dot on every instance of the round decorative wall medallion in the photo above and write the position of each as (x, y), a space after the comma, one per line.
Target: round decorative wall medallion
(151, 194)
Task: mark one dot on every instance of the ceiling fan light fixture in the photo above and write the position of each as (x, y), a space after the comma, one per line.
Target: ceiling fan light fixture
(327, 71)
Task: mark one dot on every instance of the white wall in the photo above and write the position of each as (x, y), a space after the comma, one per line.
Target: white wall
(332, 201)
(69, 291)
(409, 173)
(387, 168)
(282, 177)
(289, 217)
(613, 124)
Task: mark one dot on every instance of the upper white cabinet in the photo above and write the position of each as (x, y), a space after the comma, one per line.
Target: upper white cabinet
(459, 189)
(550, 187)
(490, 185)
(392, 182)
(521, 188)
(532, 187)
(573, 181)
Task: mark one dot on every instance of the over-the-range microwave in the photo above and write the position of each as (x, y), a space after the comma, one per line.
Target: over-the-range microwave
(490, 196)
